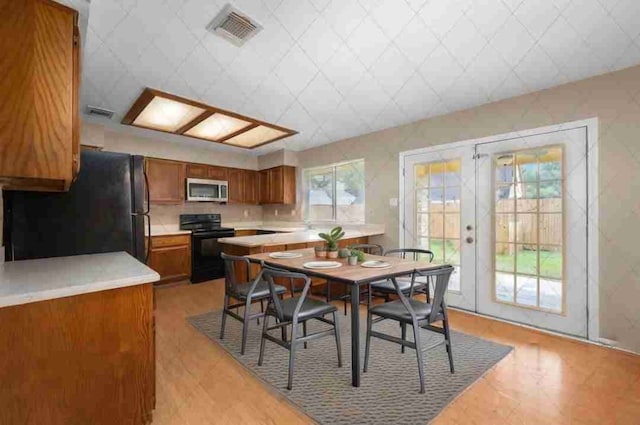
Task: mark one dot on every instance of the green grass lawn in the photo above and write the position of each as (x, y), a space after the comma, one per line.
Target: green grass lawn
(550, 261)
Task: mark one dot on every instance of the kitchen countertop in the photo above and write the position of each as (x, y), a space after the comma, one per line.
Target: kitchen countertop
(298, 237)
(27, 281)
(166, 230)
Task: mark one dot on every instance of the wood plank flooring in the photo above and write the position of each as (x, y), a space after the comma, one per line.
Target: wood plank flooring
(545, 380)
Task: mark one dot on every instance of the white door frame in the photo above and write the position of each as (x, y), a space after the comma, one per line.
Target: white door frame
(593, 265)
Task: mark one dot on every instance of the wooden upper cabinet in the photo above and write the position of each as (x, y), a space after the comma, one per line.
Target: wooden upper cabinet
(251, 188)
(264, 184)
(197, 171)
(218, 173)
(236, 185)
(278, 185)
(40, 68)
(166, 181)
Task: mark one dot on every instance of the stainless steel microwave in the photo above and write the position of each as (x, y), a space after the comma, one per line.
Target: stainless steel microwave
(205, 190)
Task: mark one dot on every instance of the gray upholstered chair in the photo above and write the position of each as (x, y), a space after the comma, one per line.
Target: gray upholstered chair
(246, 293)
(418, 314)
(293, 312)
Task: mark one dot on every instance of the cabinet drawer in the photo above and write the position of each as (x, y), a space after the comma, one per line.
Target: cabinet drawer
(172, 240)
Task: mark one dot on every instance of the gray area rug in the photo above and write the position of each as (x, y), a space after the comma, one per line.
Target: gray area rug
(389, 390)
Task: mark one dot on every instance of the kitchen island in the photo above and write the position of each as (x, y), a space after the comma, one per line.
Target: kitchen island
(78, 340)
(247, 245)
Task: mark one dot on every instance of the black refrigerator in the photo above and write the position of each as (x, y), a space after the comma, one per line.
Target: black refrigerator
(103, 211)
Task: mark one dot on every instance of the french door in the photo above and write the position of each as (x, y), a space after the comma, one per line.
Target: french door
(511, 215)
(440, 215)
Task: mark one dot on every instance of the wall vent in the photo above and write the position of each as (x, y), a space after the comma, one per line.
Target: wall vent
(234, 25)
(99, 112)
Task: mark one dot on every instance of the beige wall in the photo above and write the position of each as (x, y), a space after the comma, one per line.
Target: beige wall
(613, 98)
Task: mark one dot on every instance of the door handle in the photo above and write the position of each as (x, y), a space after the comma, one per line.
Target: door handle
(469, 239)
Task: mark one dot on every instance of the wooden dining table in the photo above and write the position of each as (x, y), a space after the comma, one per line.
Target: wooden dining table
(352, 276)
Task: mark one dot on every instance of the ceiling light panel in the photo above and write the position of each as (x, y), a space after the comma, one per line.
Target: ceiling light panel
(217, 126)
(166, 114)
(256, 136)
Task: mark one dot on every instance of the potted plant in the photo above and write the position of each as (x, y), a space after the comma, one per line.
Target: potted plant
(321, 251)
(344, 253)
(356, 257)
(332, 239)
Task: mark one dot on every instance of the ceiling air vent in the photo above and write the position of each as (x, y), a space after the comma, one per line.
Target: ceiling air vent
(234, 25)
(99, 112)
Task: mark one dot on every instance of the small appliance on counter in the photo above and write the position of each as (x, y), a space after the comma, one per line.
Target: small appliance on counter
(206, 261)
(103, 211)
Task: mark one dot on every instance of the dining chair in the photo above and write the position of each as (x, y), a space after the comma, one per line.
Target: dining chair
(418, 314)
(385, 288)
(293, 312)
(246, 293)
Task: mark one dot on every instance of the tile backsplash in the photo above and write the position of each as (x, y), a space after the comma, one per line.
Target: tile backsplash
(168, 215)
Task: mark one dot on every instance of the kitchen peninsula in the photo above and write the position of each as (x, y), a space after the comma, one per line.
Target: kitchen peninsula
(78, 339)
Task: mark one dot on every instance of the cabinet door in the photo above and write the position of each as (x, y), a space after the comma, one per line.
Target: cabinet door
(276, 183)
(236, 185)
(166, 181)
(289, 185)
(251, 188)
(38, 102)
(172, 263)
(264, 177)
(218, 173)
(197, 171)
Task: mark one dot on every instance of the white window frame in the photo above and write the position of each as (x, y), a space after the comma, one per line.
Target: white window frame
(334, 166)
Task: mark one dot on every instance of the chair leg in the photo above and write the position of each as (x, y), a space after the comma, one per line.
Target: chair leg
(336, 331)
(447, 337)
(265, 325)
(245, 326)
(416, 338)
(404, 335)
(224, 316)
(368, 343)
(261, 310)
(292, 354)
(304, 332)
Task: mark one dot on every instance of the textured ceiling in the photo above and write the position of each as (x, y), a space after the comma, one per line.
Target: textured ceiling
(333, 69)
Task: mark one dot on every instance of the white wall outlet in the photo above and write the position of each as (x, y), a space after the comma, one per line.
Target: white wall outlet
(276, 213)
(393, 202)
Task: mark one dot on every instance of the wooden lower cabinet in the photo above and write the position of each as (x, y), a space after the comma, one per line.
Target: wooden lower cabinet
(170, 257)
(85, 359)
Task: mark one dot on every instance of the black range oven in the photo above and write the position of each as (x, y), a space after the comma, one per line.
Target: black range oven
(206, 261)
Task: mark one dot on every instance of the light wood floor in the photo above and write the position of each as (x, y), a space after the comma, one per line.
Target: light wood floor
(545, 380)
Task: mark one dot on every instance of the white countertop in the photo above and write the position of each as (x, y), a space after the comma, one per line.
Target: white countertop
(166, 230)
(298, 237)
(27, 281)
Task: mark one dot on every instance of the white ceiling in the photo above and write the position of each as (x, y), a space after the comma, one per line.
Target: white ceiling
(333, 69)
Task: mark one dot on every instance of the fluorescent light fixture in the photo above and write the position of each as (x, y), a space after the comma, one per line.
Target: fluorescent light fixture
(256, 136)
(166, 114)
(156, 110)
(216, 127)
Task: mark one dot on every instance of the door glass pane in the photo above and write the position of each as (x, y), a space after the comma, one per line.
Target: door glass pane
(452, 199)
(437, 247)
(452, 225)
(528, 221)
(505, 227)
(505, 257)
(505, 284)
(422, 200)
(421, 173)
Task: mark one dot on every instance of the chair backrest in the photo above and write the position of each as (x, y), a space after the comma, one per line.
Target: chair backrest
(230, 281)
(442, 275)
(415, 253)
(269, 273)
(368, 248)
